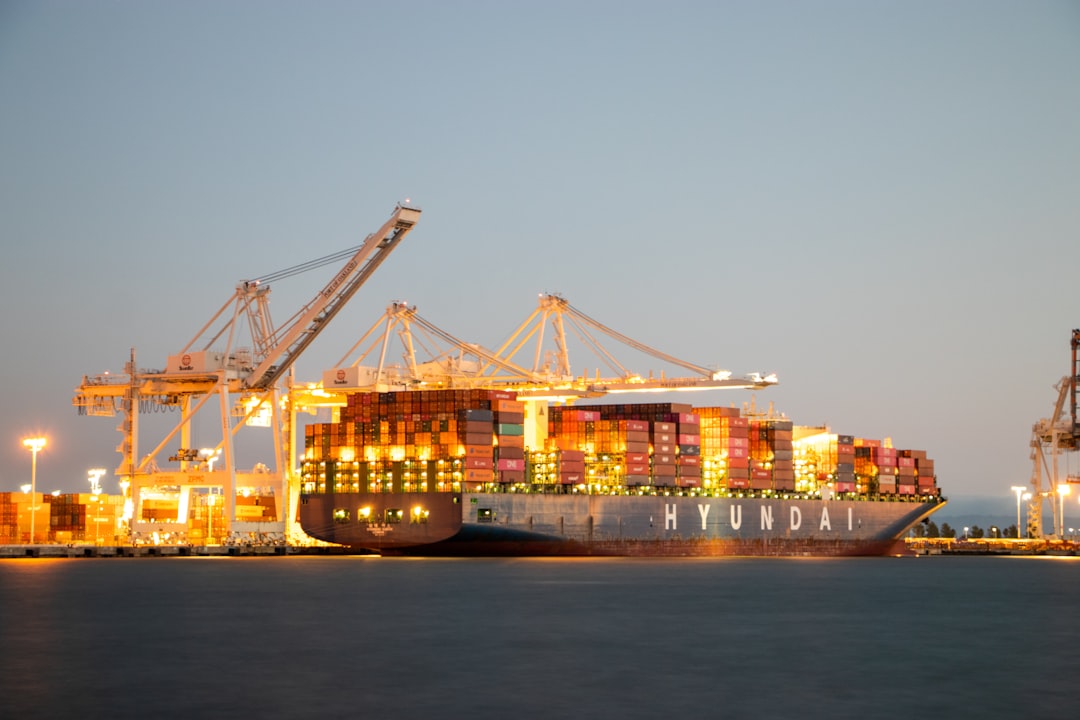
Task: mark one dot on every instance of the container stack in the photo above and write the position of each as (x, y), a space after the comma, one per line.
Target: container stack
(689, 449)
(844, 476)
(67, 517)
(780, 439)
(9, 520)
(416, 441)
(62, 518)
(639, 444)
(883, 459)
(454, 440)
(509, 441)
(925, 480)
(725, 448)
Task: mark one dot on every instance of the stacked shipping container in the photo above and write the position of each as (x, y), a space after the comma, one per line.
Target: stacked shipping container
(450, 440)
(62, 518)
(417, 441)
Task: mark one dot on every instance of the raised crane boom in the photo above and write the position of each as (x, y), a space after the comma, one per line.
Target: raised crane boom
(289, 341)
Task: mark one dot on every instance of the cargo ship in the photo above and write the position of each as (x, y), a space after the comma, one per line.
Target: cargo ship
(489, 473)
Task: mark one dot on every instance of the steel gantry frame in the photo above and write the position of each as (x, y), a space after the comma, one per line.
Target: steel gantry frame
(246, 381)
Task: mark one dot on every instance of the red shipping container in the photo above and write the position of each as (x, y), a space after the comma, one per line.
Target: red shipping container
(684, 439)
(478, 463)
(663, 427)
(637, 457)
(511, 453)
(510, 464)
(484, 451)
(512, 441)
(690, 461)
(738, 453)
(637, 469)
(479, 439)
(637, 426)
(571, 478)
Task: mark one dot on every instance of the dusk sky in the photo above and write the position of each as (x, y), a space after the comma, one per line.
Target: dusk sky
(877, 201)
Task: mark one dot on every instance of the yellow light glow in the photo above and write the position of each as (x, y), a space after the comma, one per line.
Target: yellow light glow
(35, 444)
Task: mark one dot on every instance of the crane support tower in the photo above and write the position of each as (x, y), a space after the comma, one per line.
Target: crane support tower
(1050, 437)
(246, 381)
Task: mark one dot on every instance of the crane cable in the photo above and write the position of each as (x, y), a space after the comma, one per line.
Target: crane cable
(305, 266)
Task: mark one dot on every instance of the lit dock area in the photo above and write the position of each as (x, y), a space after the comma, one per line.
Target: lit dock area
(992, 546)
(165, 551)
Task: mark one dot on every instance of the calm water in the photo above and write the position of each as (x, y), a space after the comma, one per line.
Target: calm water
(337, 637)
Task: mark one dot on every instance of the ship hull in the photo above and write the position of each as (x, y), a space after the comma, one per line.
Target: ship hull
(508, 524)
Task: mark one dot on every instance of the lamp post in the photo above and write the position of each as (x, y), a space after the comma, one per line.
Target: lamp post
(1063, 490)
(34, 444)
(1019, 493)
(94, 477)
(209, 515)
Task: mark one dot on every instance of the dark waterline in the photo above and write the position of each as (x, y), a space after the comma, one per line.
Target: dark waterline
(300, 637)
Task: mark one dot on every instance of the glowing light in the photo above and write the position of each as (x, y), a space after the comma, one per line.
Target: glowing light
(35, 444)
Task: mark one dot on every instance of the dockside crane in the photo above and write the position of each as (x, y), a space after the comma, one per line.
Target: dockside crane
(1050, 437)
(217, 363)
(453, 363)
(554, 311)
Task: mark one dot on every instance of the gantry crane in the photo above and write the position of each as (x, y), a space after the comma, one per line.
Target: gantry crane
(454, 363)
(1049, 438)
(216, 363)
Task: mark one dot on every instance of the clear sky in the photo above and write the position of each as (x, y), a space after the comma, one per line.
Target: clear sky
(878, 201)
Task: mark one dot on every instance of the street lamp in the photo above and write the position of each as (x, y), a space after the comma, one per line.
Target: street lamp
(34, 444)
(1019, 493)
(1063, 490)
(209, 515)
(95, 480)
